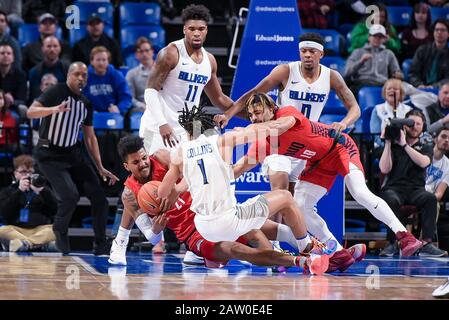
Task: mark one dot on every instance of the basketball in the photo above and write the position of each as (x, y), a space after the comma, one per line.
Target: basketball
(147, 198)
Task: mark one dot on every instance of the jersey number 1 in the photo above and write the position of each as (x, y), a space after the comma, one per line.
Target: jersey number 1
(192, 92)
(203, 170)
(305, 110)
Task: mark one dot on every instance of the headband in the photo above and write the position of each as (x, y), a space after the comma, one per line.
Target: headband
(311, 44)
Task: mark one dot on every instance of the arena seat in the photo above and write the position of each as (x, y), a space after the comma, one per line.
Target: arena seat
(130, 34)
(131, 61)
(406, 67)
(334, 105)
(369, 97)
(29, 32)
(77, 34)
(134, 120)
(108, 121)
(334, 42)
(104, 10)
(400, 15)
(124, 70)
(439, 13)
(335, 63)
(132, 13)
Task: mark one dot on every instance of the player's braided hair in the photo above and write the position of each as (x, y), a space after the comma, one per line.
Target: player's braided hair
(195, 121)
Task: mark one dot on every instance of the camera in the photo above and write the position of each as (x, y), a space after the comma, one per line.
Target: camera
(394, 127)
(37, 180)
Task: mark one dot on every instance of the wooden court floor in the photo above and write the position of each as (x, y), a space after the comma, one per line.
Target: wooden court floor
(162, 277)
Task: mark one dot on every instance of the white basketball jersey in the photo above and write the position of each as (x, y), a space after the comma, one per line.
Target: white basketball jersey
(309, 98)
(210, 179)
(184, 84)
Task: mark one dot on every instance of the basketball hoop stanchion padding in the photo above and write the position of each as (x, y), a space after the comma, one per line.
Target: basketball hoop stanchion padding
(270, 38)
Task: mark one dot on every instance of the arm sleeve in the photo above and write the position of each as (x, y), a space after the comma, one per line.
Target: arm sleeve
(155, 104)
(90, 113)
(47, 99)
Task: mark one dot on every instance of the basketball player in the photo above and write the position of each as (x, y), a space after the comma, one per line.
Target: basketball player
(204, 162)
(305, 85)
(180, 219)
(182, 70)
(328, 153)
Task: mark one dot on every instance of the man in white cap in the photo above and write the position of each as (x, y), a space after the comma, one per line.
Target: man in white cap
(373, 64)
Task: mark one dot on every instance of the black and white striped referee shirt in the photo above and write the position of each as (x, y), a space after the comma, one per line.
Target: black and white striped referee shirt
(62, 129)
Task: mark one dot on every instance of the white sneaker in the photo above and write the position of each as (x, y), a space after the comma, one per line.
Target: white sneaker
(17, 245)
(192, 259)
(117, 255)
(442, 291)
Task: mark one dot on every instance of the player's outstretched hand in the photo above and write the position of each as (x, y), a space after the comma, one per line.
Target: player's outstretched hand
(221, 120)
(338, 126)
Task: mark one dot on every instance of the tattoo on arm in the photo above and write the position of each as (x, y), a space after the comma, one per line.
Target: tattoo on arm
(130, 201)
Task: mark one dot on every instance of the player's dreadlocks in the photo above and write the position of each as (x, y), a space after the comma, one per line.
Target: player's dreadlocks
(195, 121)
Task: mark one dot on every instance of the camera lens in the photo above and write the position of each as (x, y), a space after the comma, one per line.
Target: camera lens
(37, 180)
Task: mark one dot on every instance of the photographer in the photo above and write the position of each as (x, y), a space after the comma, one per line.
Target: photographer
(404, 161)
(27, 206)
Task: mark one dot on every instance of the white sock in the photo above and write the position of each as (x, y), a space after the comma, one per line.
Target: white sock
(145, 224)
(122, 235)
(303, 242)
(285, 234)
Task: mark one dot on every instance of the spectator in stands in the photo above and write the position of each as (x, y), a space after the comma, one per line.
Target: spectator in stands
(8, 124)
(13, 13)
(51, 50)
(360, 33)
(27, 207)
(430, 65)
(404, 161)
(13, 82)
(315, 13)
(47, 81)
(33, 9)
(373, 64)
(96, 37)
(437, 175)
(106, 87)
(6, 38)
(419, 32)
(32, 52)
(137, 77)
(394, 94)
(438, 112)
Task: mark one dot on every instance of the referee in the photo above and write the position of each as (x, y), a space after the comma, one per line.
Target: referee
(64, 110)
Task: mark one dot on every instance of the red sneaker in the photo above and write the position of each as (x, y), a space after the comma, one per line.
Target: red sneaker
(358, 251)
(408, 244)
(316, 264)
(340, 260)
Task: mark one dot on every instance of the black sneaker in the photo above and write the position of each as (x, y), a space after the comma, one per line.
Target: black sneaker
(62, 242)
(102, 249)
(49, 247)
(429, 250)
(392, 249)
(4, 244)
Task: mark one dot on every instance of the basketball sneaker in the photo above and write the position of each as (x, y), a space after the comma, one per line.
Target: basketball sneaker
(442, 291)
(117, 255)
(315, 264)
(17, 245)
(408, 244)
(192, 259)
(340, 260)
(319, 248)
(358, 251)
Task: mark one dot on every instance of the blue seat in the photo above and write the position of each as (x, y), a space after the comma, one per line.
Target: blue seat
(366, 118)
(108, 121)
(134, 120)
(333, 41)
(29, 32)
(406, 67)
(400, 16)
(132, 13)
(130, 34)
(76, 35)
(439, 13)
(104, 10)
(369, 97)
(335, 63)
(131, 61)
(334, 105)
(124, 70)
